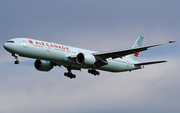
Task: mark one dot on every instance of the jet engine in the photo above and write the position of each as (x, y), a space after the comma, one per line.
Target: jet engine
(85, 58)
(43, 65)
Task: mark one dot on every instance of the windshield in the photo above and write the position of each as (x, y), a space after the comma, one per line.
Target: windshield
(10, 41)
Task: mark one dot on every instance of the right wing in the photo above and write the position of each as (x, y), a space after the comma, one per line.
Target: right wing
(121, 53)
(148, 63)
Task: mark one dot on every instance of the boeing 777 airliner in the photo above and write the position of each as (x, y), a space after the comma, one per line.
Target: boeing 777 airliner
(49, 55)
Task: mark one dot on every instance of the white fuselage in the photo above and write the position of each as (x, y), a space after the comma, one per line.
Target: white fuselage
(60, 54)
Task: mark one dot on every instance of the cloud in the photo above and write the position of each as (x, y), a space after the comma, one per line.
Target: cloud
(144, 89)
(94, 25)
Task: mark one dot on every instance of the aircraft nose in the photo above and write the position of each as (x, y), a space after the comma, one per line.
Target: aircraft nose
(5, 46)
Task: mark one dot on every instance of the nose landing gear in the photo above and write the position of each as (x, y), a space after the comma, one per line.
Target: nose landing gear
(16, 57)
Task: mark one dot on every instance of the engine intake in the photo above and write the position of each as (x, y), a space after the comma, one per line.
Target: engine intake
(43, 65)
(85, 58)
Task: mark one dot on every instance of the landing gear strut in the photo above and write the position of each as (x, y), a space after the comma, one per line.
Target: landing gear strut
(94, 72)
(69, 74)
(16, 57)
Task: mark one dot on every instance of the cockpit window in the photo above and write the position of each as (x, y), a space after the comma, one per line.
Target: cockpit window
(10, 41)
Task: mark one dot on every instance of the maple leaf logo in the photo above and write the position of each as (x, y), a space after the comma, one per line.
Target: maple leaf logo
(30, 41)
(136, 54)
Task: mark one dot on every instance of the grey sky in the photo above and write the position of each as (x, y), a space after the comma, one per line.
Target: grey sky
(97, 25)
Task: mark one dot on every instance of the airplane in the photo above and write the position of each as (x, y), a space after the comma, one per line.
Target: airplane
(49, 54)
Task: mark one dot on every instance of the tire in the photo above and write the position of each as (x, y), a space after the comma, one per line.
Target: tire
(98, 73)
(16, 62)
(65, 74)
(74, 76)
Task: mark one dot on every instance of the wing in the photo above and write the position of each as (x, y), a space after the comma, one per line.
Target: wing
(121, 53)
(148, 63)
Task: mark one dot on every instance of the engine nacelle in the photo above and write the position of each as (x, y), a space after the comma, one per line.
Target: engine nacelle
(43, 65)
(85, 58)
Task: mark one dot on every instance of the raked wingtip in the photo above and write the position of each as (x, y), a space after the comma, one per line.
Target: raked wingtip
(172, 41)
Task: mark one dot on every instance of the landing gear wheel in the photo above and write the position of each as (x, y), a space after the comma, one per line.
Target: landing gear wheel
(74, 76)
(94, 72)
(98, 73)
(16, 57)
(16, 62)
(65, 74)
(69, 74)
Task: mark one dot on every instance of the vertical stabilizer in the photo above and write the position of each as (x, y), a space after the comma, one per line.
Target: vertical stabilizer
(135, 56)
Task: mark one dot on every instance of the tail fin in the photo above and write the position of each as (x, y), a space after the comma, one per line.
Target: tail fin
(138, 43)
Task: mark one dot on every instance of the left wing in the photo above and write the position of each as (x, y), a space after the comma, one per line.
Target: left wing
(121, 53)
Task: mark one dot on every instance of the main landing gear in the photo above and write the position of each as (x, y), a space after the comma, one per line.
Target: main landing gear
(94, 72)
(16, 57)
(70, 74)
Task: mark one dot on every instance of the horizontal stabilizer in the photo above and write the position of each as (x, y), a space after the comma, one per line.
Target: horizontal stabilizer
(148, 63)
